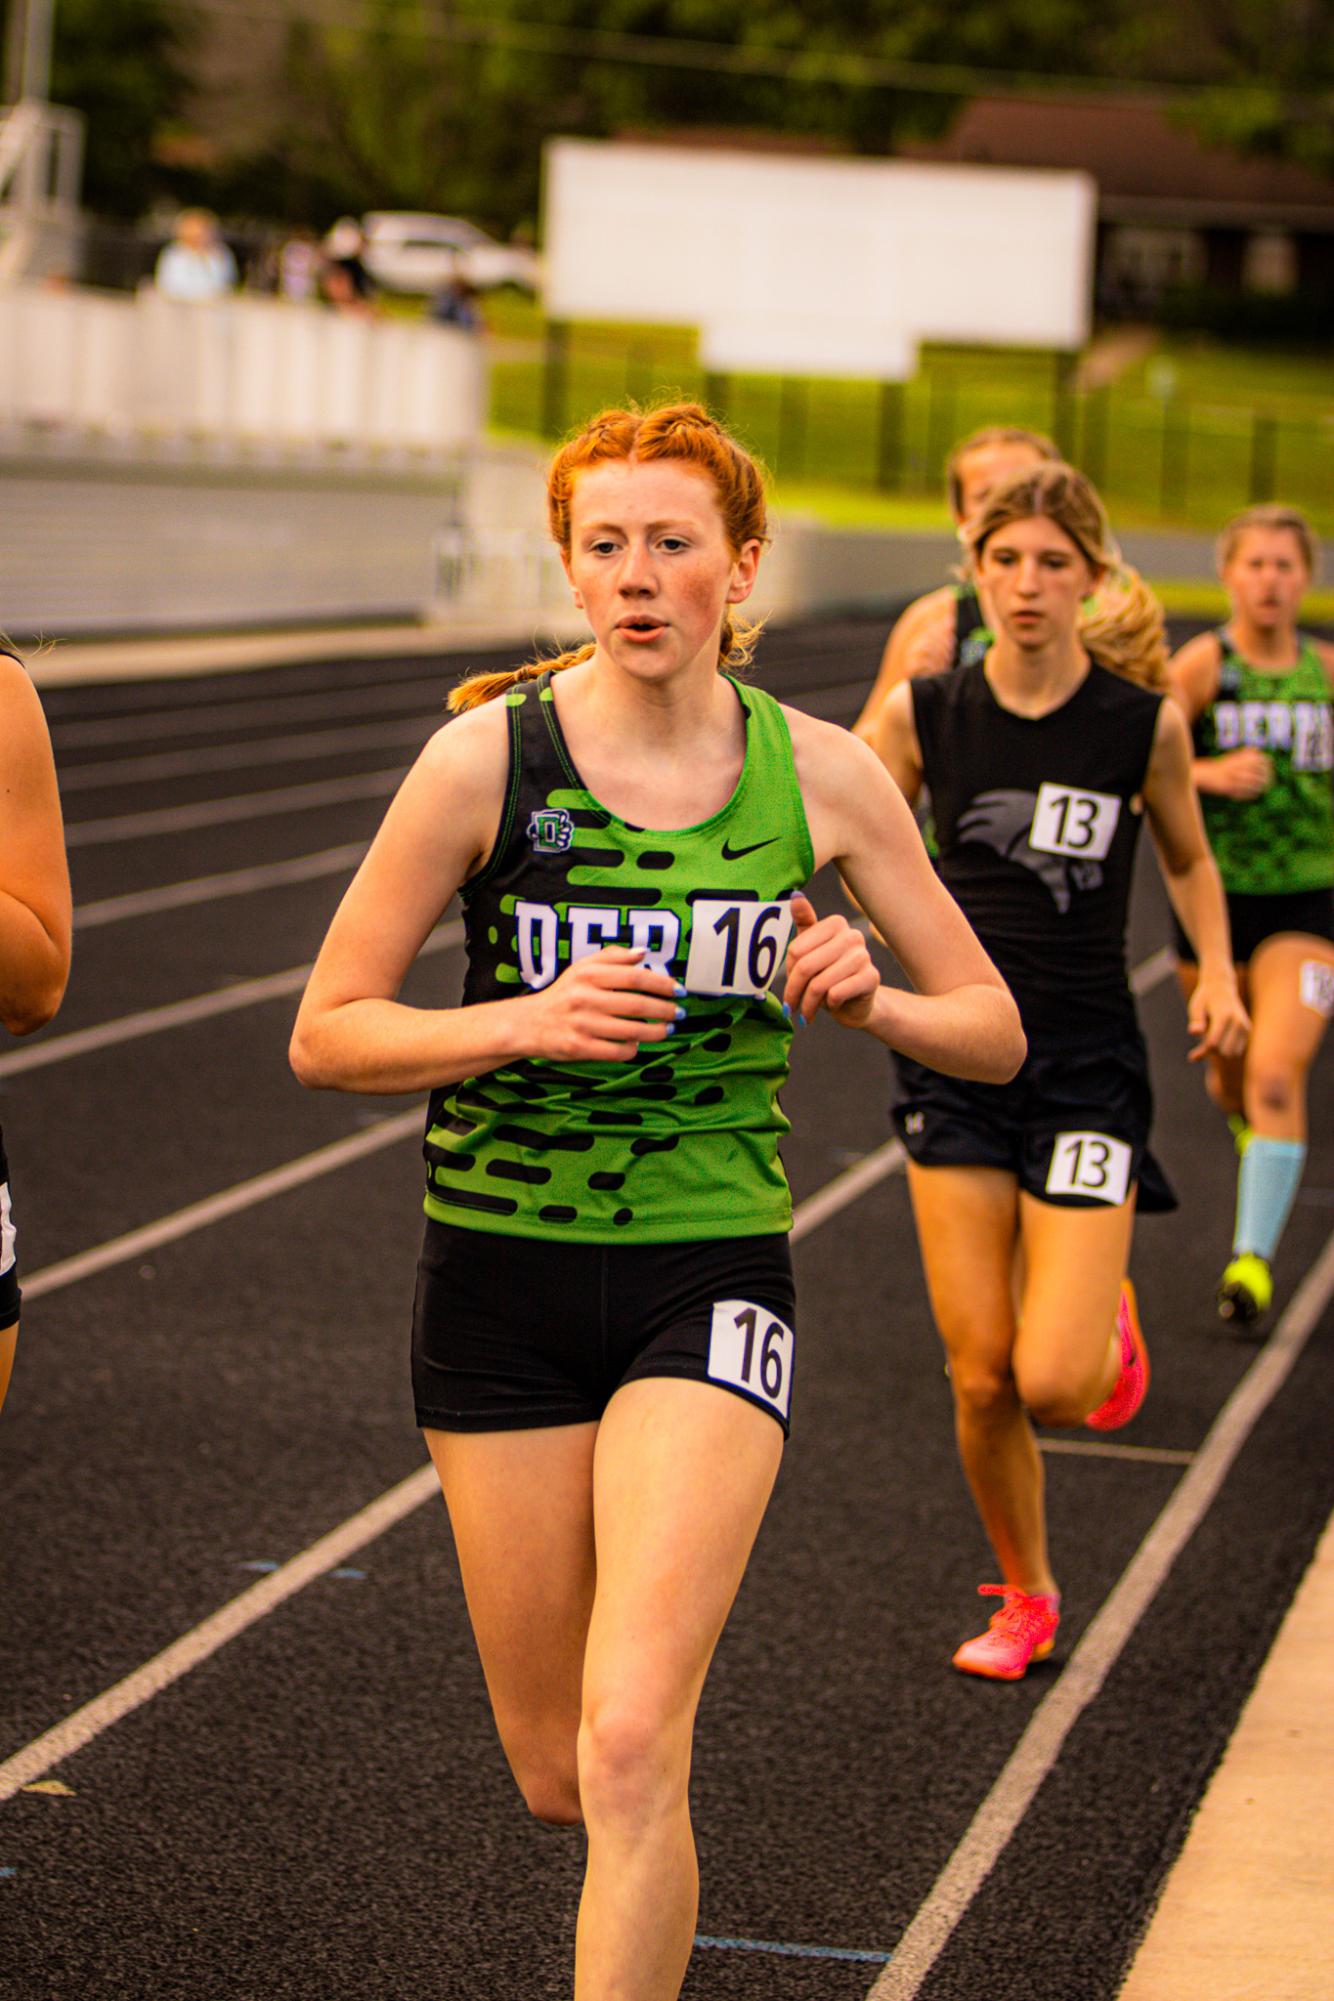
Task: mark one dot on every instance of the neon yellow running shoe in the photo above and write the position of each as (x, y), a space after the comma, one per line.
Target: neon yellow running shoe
(1241, 1133)
(1246, 1289)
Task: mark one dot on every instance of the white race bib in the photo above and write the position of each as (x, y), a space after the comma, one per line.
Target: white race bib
(1317, 987)
(1089, 1164)
(1078, 824)
(736, 948)
(751, 1348)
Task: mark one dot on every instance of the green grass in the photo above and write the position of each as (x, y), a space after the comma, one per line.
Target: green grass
(1240, 422)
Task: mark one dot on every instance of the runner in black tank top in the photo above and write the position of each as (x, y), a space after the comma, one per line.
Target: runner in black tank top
(1041, 763)
(34, 920)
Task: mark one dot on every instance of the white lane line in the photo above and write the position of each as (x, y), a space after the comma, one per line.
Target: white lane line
(1152, 971)
(228, 1202)
(1093, 1448)
(110, 773)
(179, 1014)
(1097, 1653)
(368, 700)
(78, 1729)
(254, 1603)
(208, 888)
(846, 1187)
(241, 806)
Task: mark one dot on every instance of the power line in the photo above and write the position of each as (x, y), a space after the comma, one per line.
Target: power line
(846, 69)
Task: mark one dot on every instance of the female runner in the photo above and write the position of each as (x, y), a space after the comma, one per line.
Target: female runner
(34, 920)
(602, 1341)
(1041, 759)
(948, 627)
(1257, 693)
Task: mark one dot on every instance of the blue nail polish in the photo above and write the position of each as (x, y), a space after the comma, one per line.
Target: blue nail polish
(787, 1012)
(680, 1014)
(679, 990)
(670, 1027)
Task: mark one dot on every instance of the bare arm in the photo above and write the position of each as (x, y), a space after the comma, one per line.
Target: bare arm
(35, 917)
(1232, 774)
(1217, 1016)
(353, 1034)
(961, 1017)
(920, 643)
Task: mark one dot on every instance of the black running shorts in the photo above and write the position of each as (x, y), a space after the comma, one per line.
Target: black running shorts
(1073, 1128)
(511, 1333)
(9, 1271)
(1252, 919)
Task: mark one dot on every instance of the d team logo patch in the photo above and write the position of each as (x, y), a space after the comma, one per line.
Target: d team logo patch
(550, 830)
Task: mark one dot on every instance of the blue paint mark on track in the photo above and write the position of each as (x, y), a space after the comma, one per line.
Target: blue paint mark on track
(793, 1951)
(347, 1573)
(261, 1563)
(8, 1872)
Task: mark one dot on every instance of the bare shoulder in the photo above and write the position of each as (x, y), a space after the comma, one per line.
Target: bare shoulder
(827, 756)
(469, 751)
(1194, 671)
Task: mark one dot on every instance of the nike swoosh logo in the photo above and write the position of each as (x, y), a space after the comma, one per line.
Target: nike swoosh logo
(735, 854)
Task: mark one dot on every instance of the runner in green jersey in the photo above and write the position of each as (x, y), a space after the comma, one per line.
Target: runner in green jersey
(1258, 694)
(948, 627)
(603, 1340)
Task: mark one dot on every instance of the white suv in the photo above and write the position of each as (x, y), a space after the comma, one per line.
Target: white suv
(405, 252)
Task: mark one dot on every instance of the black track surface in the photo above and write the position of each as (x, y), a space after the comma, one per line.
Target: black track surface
(321, 1808)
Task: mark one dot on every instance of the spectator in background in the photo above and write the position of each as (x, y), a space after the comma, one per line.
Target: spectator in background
(196, 264)
(345, 281)
(300, 265)
(456, 305)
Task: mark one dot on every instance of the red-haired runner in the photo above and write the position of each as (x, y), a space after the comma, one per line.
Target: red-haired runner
(604, 1332)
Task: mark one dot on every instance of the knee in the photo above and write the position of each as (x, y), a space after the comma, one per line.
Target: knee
(1271, 1085)
(1052, 1391)
(546, 1774)
(551, 1794)
(982, 1390)
(628, 1770)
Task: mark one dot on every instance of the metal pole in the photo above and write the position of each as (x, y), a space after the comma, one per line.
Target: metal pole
(28, 51)
(889, 453)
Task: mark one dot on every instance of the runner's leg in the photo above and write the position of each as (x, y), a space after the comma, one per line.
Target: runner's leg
(967, 1225)
(521, 1507)
(682, 1474)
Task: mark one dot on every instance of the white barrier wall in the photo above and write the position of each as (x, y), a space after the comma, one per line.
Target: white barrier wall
(253, 371)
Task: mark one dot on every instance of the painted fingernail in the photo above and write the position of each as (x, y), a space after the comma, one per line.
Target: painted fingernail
(680, 1014)
(678, 990)
(787, 1012)
(669, 1027)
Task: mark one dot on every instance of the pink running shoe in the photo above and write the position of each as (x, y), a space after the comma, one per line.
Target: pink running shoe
(1023, 1630)
(1132, 1384)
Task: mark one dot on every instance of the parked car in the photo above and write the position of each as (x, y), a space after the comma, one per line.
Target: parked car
(405, 252)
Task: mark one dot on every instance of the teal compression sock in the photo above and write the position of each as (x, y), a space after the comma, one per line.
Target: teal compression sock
(1267, 1182)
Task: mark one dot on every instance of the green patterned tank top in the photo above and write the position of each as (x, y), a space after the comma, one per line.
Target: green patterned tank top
(1282, 842)
(681, 1143)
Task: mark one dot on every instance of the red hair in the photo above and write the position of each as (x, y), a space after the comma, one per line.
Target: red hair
(679, 433)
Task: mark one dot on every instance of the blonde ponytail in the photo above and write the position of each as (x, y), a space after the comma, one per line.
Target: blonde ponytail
(1122, 626)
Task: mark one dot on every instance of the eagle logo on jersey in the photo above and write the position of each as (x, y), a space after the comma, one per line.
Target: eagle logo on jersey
(550, 830)
(1003, 820)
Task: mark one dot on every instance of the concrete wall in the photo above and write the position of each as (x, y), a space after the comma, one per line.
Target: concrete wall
(92, 546)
